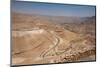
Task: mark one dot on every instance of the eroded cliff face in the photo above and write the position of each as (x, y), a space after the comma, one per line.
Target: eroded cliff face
(40, 41)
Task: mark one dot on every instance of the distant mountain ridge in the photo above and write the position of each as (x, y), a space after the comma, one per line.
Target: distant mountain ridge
(54, 19)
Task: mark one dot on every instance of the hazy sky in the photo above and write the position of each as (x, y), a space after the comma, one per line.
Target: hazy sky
(53, 9)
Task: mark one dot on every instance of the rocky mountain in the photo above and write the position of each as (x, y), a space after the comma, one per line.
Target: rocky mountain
(40, 39)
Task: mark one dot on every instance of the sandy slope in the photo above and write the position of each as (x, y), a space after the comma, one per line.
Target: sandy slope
(39, 41)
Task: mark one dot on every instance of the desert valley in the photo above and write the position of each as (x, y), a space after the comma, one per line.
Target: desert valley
(42, 39)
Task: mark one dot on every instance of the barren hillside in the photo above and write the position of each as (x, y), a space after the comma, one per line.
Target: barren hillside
(38, 40)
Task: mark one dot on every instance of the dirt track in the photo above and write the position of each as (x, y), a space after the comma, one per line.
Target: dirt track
(53, 47)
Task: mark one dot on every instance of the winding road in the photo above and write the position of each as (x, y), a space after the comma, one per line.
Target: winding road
(54, 46)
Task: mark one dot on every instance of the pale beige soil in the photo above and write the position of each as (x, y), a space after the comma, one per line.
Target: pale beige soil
(40, 41)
